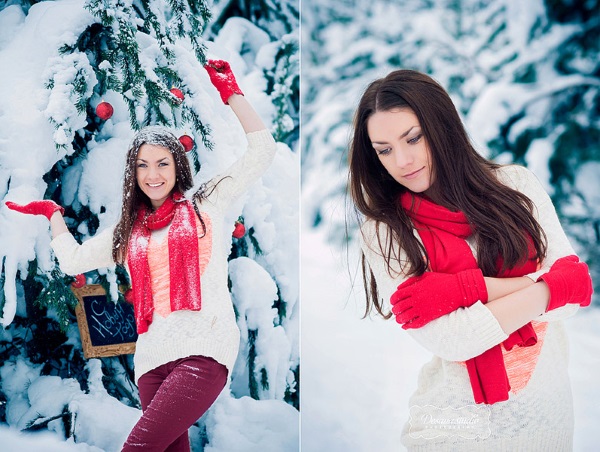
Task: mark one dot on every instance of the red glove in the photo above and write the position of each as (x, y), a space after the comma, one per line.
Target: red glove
(45, 207)
(421, 299)
(223, 79)
(569, 282)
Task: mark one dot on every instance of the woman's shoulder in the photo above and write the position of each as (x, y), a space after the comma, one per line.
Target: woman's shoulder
(523, 180)
(514, 176)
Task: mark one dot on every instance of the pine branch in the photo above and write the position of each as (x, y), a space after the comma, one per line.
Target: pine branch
(252, 383)
(57, 295)
(2, 280)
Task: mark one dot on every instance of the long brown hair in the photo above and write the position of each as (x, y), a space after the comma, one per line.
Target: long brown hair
(501, 217)
(134, 197)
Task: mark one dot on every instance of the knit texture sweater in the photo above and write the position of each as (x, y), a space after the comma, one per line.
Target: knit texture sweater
(212, 331)
(538, 416)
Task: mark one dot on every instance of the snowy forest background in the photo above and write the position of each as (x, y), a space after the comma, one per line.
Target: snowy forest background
(525, 76)
(58, 61)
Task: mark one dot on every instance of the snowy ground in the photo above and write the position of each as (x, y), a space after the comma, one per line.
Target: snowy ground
(357, 375)
(232, 424)
(14, 441)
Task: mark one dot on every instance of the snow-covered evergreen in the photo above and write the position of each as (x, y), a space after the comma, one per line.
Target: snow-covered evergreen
(60, 60)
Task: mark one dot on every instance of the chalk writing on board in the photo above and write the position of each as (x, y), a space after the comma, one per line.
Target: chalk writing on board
(109, 323)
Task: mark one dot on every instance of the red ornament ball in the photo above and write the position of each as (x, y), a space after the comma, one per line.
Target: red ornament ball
(79, 281)
(128, 295)
(187, 142)
(177, 93)
(239, 230)
(104, 110)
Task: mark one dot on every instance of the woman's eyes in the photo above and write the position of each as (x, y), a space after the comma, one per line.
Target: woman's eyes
(416, 139)
(144, 165)
(413, 140)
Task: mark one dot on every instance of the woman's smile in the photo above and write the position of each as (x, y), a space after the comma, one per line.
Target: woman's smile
(155, 173)
(414, 174)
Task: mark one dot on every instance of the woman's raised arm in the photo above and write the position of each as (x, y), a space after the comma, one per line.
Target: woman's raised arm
(261, 146)
(223, 79)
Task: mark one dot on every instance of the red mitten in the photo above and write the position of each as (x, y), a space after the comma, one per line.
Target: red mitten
(569, 282)
(223, 79)
(421, 299)
(45, 207)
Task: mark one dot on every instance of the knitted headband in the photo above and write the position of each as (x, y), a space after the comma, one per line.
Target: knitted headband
(159, 136)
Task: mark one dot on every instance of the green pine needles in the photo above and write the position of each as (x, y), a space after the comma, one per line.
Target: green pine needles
(57, 296)
(129, 49)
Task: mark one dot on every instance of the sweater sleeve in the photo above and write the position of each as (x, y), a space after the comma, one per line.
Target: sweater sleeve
(544, 212)
(94, 253)
(458, 336)
(225, 187)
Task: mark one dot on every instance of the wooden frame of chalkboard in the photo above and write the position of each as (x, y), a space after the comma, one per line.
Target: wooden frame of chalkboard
(112, 326)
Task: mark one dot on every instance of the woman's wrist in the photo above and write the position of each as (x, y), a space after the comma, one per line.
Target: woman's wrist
(518, 308)
(57, 224)
(247, 116)
(500, 287)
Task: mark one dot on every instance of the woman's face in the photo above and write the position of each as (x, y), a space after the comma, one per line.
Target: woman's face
(398, 140)
(155, 173)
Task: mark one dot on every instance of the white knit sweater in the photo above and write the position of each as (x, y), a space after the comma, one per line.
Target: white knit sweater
(539, 413)
(212, 331)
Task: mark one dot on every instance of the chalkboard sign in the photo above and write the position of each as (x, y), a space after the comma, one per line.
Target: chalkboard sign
(106, 328)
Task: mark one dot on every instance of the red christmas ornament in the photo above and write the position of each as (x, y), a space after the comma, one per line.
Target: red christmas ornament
(239, 230)
(104, 110)
(187, 142)
(177, 93)
(128, 296)
(79, 281)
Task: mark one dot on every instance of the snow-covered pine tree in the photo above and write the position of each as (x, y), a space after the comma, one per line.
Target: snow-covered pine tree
(125, 53)
(277, 18)
(268, 364)
(132, 55)
(279, 61)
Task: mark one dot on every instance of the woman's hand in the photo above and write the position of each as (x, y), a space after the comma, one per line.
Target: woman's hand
(421, 299)
(223, 79)
(569, 282)
(45, 207)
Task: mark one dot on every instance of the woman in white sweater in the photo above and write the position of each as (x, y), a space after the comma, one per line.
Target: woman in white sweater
(176, 255)
(477, 269)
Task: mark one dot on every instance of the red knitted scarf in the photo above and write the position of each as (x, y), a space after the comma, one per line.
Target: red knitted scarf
(183, 258)
(443, 234)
